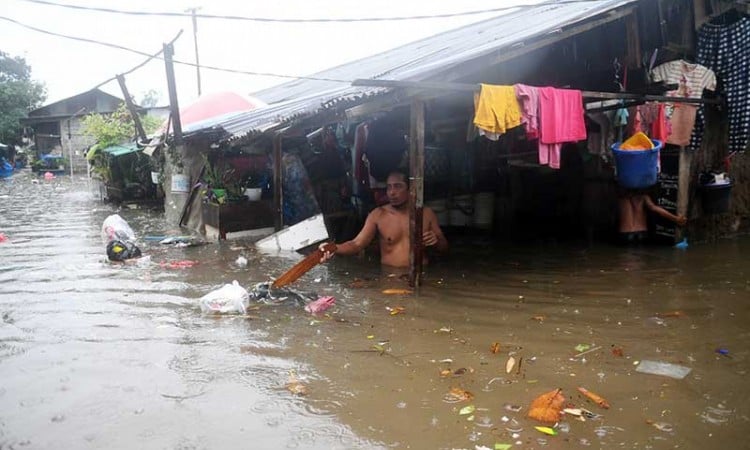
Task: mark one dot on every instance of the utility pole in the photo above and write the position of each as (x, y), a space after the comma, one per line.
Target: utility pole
(195, 43)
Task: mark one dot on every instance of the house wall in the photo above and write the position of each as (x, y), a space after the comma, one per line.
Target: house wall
(75, 142)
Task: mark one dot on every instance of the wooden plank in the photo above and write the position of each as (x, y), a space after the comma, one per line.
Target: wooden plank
(633, 40)
(416, 190)
(683, 186)
(277, 181)
(174, 106)
(140, 132)
(466, 87)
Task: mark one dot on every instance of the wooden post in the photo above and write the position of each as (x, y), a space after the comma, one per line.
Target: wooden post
(633, 41)
(131, 107)
(174, 107)
(416, 190)
(278, 199)
(683, 186)
(174, 202)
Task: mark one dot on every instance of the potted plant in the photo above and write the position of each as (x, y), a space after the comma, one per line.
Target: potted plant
(217, 179)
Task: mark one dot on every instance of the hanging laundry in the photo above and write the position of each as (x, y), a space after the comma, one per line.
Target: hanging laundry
(496, 109)
(560, 120)
(691, 80)
(725, 49)
(528, 97)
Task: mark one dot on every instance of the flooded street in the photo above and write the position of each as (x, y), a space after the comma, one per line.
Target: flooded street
(101, 355)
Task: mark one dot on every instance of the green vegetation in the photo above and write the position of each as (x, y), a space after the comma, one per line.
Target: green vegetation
(19, 94)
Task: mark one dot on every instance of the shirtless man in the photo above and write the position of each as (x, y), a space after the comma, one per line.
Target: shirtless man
(391, 224)
(633, 221)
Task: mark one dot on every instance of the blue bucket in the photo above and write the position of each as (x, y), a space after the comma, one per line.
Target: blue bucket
(636, 169)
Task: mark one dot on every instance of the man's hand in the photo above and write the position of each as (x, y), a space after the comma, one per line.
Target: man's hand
(326, 253)
(429, 238)
(681, 220)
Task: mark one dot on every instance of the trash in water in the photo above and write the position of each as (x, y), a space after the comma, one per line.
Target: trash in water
(294, 385)
(495, 347)
(241, 261)
(663, 368)
(547, 407)
(394, 310)
(683, 244)
(230, 298)
(582, 347)
(186, 263)
(661, 426)
(671, 314)
(467, 410)
(546, 430)
(617, 351)
(509, 364)
(594, 398)
(512, 408)
(723, 352)
(398, 291)
(320, 305)
(3, 237)
(499, 446)
(456, 395)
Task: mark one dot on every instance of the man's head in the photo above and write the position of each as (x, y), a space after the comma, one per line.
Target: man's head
(397, 188)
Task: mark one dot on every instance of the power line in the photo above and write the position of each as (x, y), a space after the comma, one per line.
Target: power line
(150, 56)
(308, 20)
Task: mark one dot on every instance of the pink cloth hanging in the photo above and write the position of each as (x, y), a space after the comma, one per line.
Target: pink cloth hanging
(560, 120)
(528, 97)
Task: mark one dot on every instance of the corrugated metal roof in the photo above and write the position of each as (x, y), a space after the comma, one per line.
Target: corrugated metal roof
(416, 61)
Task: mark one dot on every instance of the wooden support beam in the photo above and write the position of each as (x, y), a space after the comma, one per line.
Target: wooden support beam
(633, 40)
(278, 198)
(140, 132)
(683, 186)
(174, 106)
(416, 191)
(466, 87)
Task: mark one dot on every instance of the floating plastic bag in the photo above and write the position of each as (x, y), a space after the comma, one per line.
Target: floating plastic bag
(662, 368)
(320, 305)
(230, 298)
(119, 239)
(115, 227)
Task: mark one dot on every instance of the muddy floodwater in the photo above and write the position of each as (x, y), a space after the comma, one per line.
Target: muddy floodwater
(99, 355)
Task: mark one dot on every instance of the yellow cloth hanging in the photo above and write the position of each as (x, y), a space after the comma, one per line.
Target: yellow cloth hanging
(638, 141)
(497, 109)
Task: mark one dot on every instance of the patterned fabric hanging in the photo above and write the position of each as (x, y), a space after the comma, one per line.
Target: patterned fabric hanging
(725, 49)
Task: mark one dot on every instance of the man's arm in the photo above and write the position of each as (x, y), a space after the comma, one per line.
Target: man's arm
(679, 220)
(434, 236)
(363, 239)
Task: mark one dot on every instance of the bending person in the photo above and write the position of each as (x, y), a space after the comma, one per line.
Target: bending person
(390, 223)
(632, 206)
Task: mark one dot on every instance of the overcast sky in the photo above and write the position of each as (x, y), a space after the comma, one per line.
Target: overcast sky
(70, 67)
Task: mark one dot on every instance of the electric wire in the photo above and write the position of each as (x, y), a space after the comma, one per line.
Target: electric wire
(185, 63)
(303, 20)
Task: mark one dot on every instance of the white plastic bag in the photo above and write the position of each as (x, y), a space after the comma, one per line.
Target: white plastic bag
(230, 298)
(114, 227)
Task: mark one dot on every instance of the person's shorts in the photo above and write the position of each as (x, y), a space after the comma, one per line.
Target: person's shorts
(633, 237)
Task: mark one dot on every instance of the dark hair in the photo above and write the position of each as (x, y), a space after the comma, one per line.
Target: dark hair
(401, 171)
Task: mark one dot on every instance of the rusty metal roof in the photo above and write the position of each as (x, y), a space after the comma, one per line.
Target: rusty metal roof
(417, 61)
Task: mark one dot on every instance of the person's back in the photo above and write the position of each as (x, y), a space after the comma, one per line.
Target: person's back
(633, 223)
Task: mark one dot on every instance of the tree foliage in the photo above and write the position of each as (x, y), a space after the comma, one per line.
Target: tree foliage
(116, 128)
(19, 94)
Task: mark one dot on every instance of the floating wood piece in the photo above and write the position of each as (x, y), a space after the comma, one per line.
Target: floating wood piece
(302, 267)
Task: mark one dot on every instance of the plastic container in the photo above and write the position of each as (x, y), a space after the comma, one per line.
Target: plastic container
(715, 198)
(462, 210)
(253, 194)
(484, 210)
(440, 210)
(636, 169)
